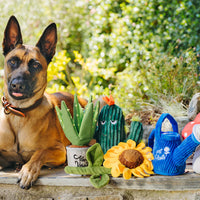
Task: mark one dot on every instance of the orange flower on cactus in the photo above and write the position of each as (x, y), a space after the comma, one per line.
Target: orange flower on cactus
(109, 100)
(128, 159)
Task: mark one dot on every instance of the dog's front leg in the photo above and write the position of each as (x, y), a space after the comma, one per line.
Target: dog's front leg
(31, 170)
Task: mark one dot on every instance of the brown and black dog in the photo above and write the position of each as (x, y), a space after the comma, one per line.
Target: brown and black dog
(30, 132)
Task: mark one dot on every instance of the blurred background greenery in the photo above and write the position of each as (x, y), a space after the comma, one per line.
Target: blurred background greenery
(145, 52)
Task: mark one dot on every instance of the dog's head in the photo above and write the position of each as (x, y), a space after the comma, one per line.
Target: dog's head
(25, 68)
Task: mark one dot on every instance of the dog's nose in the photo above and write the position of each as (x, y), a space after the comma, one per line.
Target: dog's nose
(18, 85)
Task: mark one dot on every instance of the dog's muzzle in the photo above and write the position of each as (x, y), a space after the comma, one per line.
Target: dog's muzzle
(20, 88)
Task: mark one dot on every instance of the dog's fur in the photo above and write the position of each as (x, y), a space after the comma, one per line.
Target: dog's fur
(36, 139)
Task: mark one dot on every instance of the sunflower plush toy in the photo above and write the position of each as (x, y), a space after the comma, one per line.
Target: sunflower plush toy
(129, 158)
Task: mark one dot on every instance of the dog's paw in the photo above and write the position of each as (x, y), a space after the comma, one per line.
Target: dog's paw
(28, 175)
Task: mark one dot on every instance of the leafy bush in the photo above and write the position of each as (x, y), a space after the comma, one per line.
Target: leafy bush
(138, 49)
(162, 79)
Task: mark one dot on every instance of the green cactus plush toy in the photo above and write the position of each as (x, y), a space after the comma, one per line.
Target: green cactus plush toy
(79, 130)
(111, 124)
(136, 132)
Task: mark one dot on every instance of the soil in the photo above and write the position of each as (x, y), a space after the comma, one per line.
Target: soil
(147, 117)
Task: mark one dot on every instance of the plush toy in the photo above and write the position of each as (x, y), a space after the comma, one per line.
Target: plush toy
(129, 158)
(169, 153)
(99, 174)
(79, 130)
(136, 132)
(187, 130)
(111, 123)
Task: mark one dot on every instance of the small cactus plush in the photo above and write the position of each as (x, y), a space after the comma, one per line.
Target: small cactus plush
(136, 132)
(79, 130)
(110, 125)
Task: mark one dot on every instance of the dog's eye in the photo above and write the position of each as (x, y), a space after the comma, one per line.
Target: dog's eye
(34, 65)
(13, 62)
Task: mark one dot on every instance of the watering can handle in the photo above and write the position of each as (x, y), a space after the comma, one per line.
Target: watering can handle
(161, 120)
(151, 139)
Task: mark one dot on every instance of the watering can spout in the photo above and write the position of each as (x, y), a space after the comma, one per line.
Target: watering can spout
(187, 147)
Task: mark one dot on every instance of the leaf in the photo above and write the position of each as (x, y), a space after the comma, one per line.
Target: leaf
(99, 181)
(77, 113)
(87, 170)
(94, 155)
(67, 124)
(85, 133)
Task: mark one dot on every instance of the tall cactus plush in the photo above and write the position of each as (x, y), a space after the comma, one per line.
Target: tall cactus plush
(110, 125)
(79, 130)
(136, 132)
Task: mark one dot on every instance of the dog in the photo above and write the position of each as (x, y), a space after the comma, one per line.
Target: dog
(30, 132)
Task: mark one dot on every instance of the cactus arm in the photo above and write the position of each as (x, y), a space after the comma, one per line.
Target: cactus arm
(139, 135)
(85, 133)
(87, 170)
(136, 132)
(95, 116)
(67, 123)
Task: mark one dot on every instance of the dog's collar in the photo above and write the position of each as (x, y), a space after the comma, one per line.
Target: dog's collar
(9, 108)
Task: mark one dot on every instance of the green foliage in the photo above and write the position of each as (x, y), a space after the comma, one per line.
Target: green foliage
(81, 128)
(142, 48)
(162, 76)
(147, 50)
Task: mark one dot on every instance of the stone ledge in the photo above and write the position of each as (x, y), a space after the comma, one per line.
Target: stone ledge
(57, 177)
(54, 184)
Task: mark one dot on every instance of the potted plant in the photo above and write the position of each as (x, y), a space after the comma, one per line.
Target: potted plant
(79, 130)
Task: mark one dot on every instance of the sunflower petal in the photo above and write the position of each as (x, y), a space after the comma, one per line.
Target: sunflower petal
(136, 173)
(142, 172)
(127, 173)
(140, 146)
(146, 150)
(109, 155)
(148, 164)
(148, 156)
(109, 163)
(115, 149)
(131, 143)
(115, 171)
(124, 145)
(147, 170)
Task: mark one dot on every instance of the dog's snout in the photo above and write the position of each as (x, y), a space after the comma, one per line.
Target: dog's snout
(18, 85)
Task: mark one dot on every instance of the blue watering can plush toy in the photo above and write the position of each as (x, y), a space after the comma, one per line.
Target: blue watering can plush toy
(170, 154)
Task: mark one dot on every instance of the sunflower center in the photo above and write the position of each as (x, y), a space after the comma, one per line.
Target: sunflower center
(131, 158)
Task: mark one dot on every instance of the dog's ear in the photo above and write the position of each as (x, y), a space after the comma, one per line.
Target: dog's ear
(47, 42)
(12, 35)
